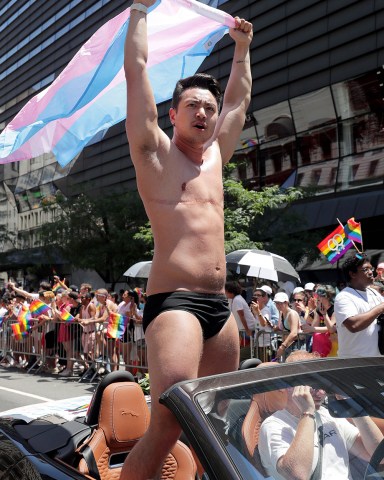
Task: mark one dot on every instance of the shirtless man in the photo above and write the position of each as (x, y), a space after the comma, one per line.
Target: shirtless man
(188, 327)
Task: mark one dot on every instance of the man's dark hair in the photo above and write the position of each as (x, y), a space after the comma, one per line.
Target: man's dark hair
(74, 296)
(352, 263)
(45, 286)
(134, 295)
(200, 80)
(233, 287)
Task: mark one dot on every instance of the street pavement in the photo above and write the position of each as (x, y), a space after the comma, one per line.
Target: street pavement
(18, 388)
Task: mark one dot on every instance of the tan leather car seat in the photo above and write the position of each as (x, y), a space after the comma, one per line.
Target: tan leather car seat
(123, 419)
(262, 406)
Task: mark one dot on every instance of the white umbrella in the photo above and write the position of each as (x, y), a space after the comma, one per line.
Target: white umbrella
(139, 270)
(261, 264)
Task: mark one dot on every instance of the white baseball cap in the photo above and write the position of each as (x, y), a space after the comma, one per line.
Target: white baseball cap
(380, 266)
(309, 286)
(297, 290)
(265, 289)
(281, 297)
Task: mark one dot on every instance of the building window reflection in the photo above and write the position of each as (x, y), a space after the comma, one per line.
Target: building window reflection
(313, 110)
(329, 140)
(318, 145)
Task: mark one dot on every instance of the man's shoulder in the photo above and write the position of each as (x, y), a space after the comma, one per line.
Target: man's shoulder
(239, 300)
(347, 292)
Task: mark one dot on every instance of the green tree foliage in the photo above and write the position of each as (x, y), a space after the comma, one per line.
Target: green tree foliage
(97, 233)
(111, 233)
(263, 219)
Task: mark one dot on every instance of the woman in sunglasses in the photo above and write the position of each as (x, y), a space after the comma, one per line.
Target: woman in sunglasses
(323, 325)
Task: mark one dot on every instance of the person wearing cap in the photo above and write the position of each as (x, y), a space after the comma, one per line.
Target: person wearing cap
(274, 317)
(309, 288)
(291, 324)
(263, 315)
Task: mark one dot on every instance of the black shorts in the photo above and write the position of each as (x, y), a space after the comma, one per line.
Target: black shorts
(211, 310)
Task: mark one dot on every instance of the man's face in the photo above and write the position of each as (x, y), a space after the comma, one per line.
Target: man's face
(196, 114)
(84, 299)
(260, 297)
(318, 396)
(364, 275)
(298, 303)
(126, 296)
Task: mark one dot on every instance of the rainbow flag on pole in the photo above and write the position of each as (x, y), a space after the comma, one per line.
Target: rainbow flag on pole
(67, 317)
(353, 230)
(89, 96)
(335, 245)
(37, 308)
(117, 324)
(24, 318)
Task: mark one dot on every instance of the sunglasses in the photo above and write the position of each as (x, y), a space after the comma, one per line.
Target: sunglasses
(298, 300)
(321, 293)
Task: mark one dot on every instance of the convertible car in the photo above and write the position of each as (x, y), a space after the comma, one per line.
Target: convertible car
(220, 417)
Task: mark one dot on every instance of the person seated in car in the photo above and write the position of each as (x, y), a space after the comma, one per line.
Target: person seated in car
(289, 439)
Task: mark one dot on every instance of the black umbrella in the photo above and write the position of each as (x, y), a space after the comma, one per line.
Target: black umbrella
(261, 264)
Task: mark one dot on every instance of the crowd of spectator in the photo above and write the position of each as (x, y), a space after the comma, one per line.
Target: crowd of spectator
(313, 317)
(83, 345)
(317, 318)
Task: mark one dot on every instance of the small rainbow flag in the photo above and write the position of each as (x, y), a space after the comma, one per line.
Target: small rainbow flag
(116, 325)
(37, 308)
(24, 318)
(56, 287)
(17, 333)
(335, 244)
(67, 317)
(353, 230)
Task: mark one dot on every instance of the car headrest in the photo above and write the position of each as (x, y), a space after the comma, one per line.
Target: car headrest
(92, 416)
(124, 414)
(271, 402)
(249, 363)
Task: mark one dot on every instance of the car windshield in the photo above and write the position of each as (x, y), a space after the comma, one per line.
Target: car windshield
(263, 424)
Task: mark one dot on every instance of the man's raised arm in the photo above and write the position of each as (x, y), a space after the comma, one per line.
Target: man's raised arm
(238, 92)
(141, 123)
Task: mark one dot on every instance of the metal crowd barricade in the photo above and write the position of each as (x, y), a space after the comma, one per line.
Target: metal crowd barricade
(56, 347)
(267, 343)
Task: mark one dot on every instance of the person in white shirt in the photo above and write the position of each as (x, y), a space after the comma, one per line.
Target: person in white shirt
(289, 441)
(357, 308)
(240, 309)
(263, 315)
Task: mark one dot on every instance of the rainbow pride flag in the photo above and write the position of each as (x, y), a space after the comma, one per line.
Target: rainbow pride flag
(17, 333)
(89, 96)
(335, 245)
(24, 318)
(56, 287)
(353, 230)
(67, 317)
(37, 308)
(117, 324)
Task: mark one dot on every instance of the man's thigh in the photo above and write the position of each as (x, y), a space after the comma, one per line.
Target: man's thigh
(174, 342)
(221, 353)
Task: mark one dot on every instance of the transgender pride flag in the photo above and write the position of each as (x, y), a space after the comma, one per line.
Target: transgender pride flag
(89, 96)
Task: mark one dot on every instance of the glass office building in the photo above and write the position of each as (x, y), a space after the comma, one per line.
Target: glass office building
(315, 121)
